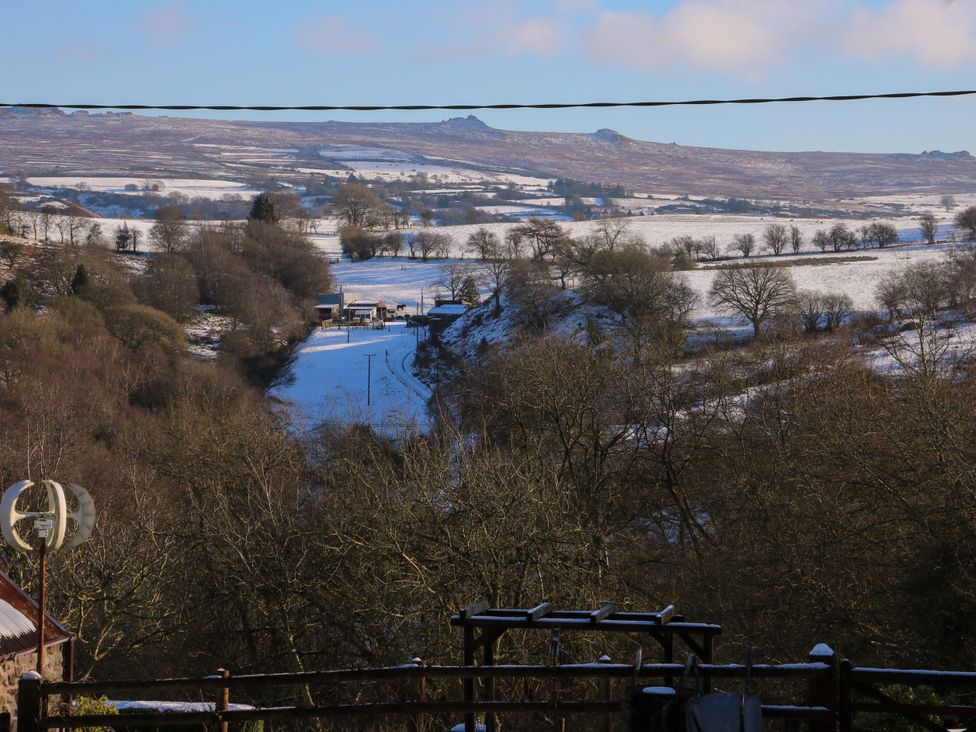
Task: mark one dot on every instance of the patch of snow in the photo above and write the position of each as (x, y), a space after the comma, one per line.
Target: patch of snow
(13, 623)
(328, 379)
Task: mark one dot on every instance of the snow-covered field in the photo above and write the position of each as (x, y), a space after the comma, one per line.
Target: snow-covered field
(189, 187)
(657, 230)
(328, 381)
(856, 279)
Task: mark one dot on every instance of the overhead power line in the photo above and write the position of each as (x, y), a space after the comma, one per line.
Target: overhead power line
(466, 107)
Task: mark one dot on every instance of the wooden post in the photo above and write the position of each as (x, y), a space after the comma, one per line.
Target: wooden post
(469, 682)
(41, 607)
(489, 694)
(30, 703)
(420, 721)
(4, 721)
(823, 687)
(605, 690)
(67, 673)
(223, 700)
(845, 715)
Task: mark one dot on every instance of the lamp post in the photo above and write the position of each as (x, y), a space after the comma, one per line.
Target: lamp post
(51, 527)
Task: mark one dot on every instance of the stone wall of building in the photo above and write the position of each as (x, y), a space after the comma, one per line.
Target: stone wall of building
(12, 670)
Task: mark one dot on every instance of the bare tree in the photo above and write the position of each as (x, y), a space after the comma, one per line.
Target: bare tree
(744, 244)
(454, 277)
(484, 243)
(776, 236)
(513, 243)
(837, 306)
(966, 222)
(756, 293)
(879, 233)
(638, 286)
(924, 347)
(948, 202)
(354, 203)
(611, 232)
(929, 227)
(809, 307)
(495, 272)
(821, 240)
(427, 244)
(542, 236)
(841, 237)
(392, 243)
(708, 248)
(169, 233)
(796, 238)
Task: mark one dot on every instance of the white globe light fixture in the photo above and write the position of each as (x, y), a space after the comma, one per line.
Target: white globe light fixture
(58, 527)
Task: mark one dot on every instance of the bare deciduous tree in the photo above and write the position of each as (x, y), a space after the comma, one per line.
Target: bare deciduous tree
(776, 236)
(744, 244)
(796, 238)
(170, 231)
(542, 236)
(756, 293)
(354, 203)
(929, 227)
(484, 243)
(966, 222)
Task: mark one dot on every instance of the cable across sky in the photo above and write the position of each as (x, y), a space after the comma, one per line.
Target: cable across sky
(473, 107)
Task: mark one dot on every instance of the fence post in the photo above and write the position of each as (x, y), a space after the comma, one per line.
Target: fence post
(823, 687)
(846, 690)
(223, 700)
(605, 690)
(420, 721)
(30, 703)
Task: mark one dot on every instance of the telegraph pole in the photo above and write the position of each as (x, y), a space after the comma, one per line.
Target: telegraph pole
(369, 378)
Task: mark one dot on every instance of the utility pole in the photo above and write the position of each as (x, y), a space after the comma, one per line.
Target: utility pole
(369, 378)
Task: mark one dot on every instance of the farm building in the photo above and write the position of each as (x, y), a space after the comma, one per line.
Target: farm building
(443, 314)
(350, 306)
(18, 643)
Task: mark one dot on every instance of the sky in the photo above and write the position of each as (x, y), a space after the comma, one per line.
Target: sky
(293, 52)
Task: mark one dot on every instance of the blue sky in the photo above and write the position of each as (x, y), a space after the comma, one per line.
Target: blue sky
(429, 51)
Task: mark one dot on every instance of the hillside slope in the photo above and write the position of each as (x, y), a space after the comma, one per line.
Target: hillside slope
(53, 143)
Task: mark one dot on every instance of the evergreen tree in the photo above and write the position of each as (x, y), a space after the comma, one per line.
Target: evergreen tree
(122, 237)
(470, 292)
(80, 279)
(18, 292)
(265, 209)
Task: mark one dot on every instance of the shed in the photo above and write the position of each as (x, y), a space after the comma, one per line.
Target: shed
(441, 316)
(18, 643)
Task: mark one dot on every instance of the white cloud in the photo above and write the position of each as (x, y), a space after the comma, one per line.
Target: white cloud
(933, 33)
(165, 23)
(537, 36)
(332, 34)
(749, 37)
(734, 36)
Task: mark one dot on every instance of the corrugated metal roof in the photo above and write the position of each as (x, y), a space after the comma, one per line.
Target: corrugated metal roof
(18, 612)
(451, 309)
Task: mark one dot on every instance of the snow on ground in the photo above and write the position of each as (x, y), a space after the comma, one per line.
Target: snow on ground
(328, 379)
(857, 279)
(953, 346)
(657, 230)
(204, 331)
(395, 280)
(189, 187)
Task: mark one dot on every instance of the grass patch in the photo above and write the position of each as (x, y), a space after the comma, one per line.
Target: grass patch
(806, 262)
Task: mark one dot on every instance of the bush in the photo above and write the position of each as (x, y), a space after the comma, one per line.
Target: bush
(140, 326)
(18, 292)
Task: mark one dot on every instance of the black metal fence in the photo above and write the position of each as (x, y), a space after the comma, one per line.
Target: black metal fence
(832, 694)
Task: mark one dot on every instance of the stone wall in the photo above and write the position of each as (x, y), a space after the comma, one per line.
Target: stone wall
(12, 670)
